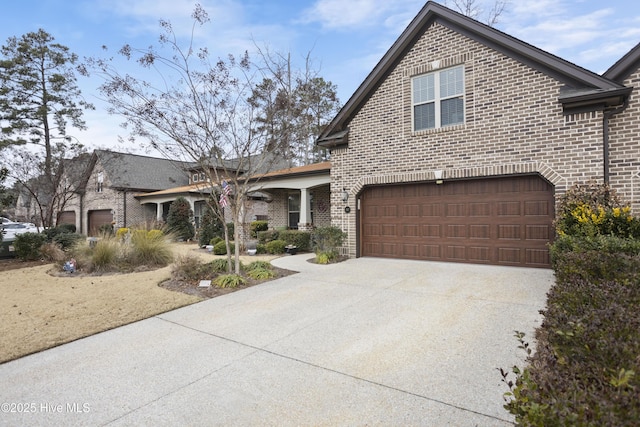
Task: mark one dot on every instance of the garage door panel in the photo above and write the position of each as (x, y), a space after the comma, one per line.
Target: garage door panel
(496, 220)
(479, 231)
(509, 232)
(456, 231)
(538, 232)
(536, 208)
(538, 257)
(432, 231)
(431, 210)
(479, 253)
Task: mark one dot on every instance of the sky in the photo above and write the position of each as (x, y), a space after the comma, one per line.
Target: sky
(344, 38)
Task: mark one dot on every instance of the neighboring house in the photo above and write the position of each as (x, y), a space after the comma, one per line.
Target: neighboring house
(108, 190)
(458, 143)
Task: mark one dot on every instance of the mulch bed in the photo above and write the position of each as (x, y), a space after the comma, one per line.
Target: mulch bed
(192, 288)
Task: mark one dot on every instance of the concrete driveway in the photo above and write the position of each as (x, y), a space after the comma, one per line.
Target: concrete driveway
(364, 342)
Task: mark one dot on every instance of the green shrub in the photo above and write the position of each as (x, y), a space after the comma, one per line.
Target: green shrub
(592, 209)
(267, 236)
(585, 370)
(67, 240)
(220, 248)
(180, 219)
(276, 247)
(229, 281)
(67, 228)
(27, 245)
(327, 239)
(261, 248)
(258, 226)
(301, 239)
(219, 265)
(216, 240)
(210, 227)
(261, 273)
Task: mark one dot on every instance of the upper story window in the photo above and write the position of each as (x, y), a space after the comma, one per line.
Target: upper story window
(99, 182)
(438, 99)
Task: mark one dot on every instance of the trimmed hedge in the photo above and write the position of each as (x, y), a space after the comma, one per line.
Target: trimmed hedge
(301, 239)
(276, 247)
(586, 370)
(258, 226)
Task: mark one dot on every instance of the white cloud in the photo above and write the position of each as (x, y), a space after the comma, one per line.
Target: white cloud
(341, 14)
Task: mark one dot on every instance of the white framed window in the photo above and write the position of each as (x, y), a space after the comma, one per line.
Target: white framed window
(195, 177)
(437, 99)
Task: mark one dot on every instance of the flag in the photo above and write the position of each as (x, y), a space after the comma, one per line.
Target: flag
(226, 190)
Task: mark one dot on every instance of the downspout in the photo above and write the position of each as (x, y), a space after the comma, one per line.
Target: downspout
(81, 212)
(605, 135)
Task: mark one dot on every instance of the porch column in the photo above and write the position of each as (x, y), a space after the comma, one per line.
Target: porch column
(305, 223)
(159, 211)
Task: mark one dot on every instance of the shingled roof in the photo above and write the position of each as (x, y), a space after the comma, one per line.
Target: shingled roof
(136, 172)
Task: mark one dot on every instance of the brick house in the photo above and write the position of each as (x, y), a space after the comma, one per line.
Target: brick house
(457, 144)
(107, 192)
(129, 190)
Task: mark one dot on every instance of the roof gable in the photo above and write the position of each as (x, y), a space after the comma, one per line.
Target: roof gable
(574, 77)
(625, 66)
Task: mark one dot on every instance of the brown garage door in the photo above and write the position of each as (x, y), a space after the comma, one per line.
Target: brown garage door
(98, 218)
(67, 217)
(503, 221)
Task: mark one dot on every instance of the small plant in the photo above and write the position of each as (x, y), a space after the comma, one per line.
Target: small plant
(189, 268)
(105, 255)
(325, 257)
(276, 247)
(219, 265)
(52, 252)
(150, 249)
(229, 281)
(261, 273)
(327, 240)
(259, 264)
(216, 240)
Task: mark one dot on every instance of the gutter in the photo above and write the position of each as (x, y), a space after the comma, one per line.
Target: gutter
(605, 135)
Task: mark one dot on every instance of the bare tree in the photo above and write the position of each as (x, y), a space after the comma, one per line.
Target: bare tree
(476, 10)
(295, 105)
(200, 113)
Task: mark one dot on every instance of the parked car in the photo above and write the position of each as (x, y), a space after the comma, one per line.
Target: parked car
(12, 229)
(6, 220)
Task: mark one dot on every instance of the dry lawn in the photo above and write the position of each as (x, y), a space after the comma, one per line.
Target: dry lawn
(39, 310)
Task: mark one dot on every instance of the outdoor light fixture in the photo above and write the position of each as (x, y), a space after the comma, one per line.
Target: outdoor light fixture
(438, 175)
(345, 195)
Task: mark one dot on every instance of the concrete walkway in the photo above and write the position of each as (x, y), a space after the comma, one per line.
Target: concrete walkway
(364, 342)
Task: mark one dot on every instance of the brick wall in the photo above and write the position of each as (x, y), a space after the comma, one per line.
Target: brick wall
(624, 148)
(513, 124)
